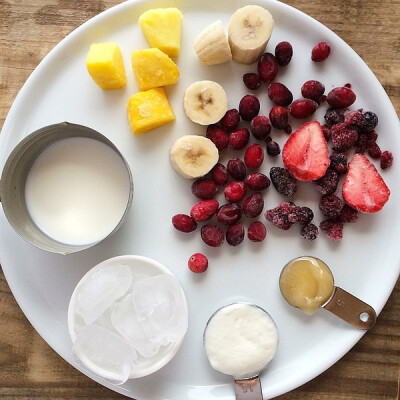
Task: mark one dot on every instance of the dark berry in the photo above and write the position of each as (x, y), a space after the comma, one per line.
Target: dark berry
(253, 205)
(343, 137)
(258, 181)
(249, 107)
(204, 188)
(239, 138)
(279, 94)
(184, 223)
(203, 210)
(230, 120)
(371, 121)
(341, 97)
(288, 129)
(278, 216)
(279, 117)
(256, 231)
(326, 130)
(332, 117)
(305, 216)
(235, 234)
(229, 214)
(338, 163)
(374, 150)
(333, 229)
(347, 85)
(283, 53)
(294, 213)
(198, 263)
(273, 149)
(348, 214)
(235, 191)
(260, 127)
(254, 156)
(330, 205)
(283, 181)
(218, 136)
(236, 169)
(361, 144)
(219, 174)
(386, 159)
(302, 108)
(212, 235)
(328, 183)
(313, 90)
(320, 52)
(252, 81)
(309, 232)
(267, 67)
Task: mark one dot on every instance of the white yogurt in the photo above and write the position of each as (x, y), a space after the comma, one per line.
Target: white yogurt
(240, 340)
(77, 190)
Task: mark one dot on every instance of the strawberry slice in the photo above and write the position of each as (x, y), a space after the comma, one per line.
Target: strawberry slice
(306, 154)
(363, 188)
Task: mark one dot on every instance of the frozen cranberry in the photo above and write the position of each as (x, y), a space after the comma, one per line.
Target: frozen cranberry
(333, 229)
(230, 120)
(273, 149)
(198, 263)
(218, 136)
(330, 205)
(279, 117)
(267, 67)
(203, 210)
(283, 53)
(219, 174)
(320, 52)
(279, 216)
(343, 137)
(235, 191)
(283, 181)
(253, 205)
(348, 214)
(302, 108)
(235, 234)
(338, 163)
(260, 127)
(249, 107)
(254, 156)
(212, 235)
(386, 159)
(328, 183)
(326, 130)
(252, 81)
(256, 231)
(370, 121)
(279, 94)
(341, 97)
(257, 181)
(184, 223)
(331, 117)
(239, 138)
(236, 169)
(204, 188)
(313, 90)
(309, 232)
(229, 214)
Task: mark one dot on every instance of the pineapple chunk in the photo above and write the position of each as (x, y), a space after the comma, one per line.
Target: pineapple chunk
(149, 110)
(105, 65)
(162, 29)
(153, 68)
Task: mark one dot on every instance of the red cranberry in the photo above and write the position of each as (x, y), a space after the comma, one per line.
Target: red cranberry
(279, 94)
(341, 97)
(313, 90)
(260, 127)
(258, 181)
(235, 191)
(253, 205)
(256, 231)
(198, 263)
(219, 174)
(236, 169)
(235, 234)
(230, 120)
(239, 138)
(273, 149)
(184, 223)
(212, 235)
(218, 136)
(302, 108)
(279, 117)
(203, 210)
(386, 159)
(283, 53)
(252, 81)
(320, 52)
(204, 188)
(249, 107)
(254, 156)
(267, 67)
(229, 214)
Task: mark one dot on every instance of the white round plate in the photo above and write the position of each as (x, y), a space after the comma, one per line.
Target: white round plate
(365, 263)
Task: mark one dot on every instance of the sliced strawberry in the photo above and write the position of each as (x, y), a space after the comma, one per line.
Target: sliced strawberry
(363, 188)
(306, 154)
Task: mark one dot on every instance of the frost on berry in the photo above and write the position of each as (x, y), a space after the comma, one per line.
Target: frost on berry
(309, 232)
(386, 159)
(338, 163)
(328, 183)
(330, 205)
(283, 181)
(333, 229)
(204, 188)
(313, 90)
(184, 223)
(218, 136)
(279, 94)
(235, 234)
(239, 138)
(343, 137)
(256, 231)
(230, 120)
(212, 235)
(203, 210)
(253, 205)
(348, 214)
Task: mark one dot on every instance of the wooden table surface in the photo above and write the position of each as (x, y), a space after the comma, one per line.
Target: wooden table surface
(29, 368)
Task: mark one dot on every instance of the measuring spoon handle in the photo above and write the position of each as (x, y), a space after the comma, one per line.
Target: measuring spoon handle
(248, 389)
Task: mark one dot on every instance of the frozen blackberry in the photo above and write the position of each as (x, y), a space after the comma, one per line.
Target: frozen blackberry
(371, 121)
(330, 205)
(338, 163)
(333, 229)
(348, 214)
(332, 117)
(279, 216)
(283, 181)
(305, 215)
(386, 159)
(343, 137)
(328, 183)
(309, 232)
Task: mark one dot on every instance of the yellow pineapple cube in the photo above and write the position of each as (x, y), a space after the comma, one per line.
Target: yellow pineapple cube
(162, 29)
(149, 110)
(105, 65)
(153, 68)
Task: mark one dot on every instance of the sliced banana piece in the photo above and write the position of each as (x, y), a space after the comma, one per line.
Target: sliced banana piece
(205, 102)
(212, 45)
(193, 156)
(249, 31)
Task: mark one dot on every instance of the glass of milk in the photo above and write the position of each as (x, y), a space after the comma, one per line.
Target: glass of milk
(65, 188)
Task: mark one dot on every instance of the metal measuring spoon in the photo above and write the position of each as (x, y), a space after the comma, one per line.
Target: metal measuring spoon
(240, 340)
(307, 283)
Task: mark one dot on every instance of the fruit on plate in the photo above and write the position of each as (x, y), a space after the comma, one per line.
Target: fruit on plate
(153, 68)
(148, 110)
(105, 65)
(364, 188)
(306, 154)
(193, 156)
(162, 29)
(249, 31)
(211, 45)
(205, 102)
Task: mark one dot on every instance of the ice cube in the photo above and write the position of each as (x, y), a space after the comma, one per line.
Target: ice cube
(125, 322)
(100, 290)
(105, 353)
(160, 306)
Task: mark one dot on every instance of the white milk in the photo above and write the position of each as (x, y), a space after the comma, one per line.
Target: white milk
(77, 191)
(240, 340)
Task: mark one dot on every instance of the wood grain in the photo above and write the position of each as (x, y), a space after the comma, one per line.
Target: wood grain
(29, 368)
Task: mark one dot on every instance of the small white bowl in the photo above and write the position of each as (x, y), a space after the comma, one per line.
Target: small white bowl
(144, 266)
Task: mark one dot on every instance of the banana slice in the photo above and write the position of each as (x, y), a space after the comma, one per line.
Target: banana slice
(205, 102)
(249, 30)
(212, 45)
(193, 156)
